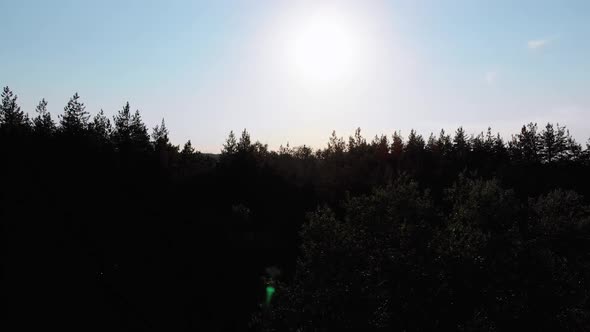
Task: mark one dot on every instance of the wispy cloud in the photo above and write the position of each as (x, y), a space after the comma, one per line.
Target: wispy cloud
(539, 43)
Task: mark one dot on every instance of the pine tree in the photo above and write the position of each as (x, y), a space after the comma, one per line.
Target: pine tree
(380, 145)
(101, 126)
(11, 116)
(231, 145)
(191, 161)
(162, 146)
(122, 132)
(244, 144)
(460, 143)
(138, 131)
(445, 143)
(130, 132)
(358, 142)
(526, 145)
(553, 143)
(431, 144)
(573, 149)
(75, 119)
(160, 134)
(336, 144)
(478, 144)
(489, 141)
(187, 157)
(415, 143)
(188, 149)
(499, 148)
(397, 146)
(42, 123)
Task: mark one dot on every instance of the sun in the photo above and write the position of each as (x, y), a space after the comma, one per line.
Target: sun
(325, 47)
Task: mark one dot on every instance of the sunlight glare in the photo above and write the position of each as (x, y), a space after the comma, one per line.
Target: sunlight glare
(325, 48)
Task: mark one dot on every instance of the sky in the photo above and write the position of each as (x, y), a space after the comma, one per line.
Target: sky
(293, 71)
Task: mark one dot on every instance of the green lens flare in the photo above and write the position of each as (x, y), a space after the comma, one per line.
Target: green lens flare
(269, 292)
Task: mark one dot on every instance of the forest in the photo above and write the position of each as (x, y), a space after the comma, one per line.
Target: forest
(108, 226)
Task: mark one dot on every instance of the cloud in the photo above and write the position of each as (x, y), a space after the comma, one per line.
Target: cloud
(491, 77)
(538, 43)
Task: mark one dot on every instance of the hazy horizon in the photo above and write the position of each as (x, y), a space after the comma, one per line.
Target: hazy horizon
(294, 71)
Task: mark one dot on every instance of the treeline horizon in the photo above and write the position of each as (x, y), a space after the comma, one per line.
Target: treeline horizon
(101, 123)
(107, 225)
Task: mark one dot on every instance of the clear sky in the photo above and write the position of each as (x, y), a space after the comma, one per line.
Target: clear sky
(293, 71)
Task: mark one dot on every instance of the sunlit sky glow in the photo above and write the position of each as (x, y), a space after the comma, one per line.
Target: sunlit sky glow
(293, 71)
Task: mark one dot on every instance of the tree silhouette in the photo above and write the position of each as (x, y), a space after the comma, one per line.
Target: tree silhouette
(160, 134)
(357, 143)
(129, 132)
(138, 132)
(231, 145)
(460, 233)
(336, 145)
(11, 116)
(553, 143)
(244, 144)
(526, 145)
(101, 127)
(397, 145)
(122, 132)
(74, 120)
(187, 149)
(43, 125)
(460, 144)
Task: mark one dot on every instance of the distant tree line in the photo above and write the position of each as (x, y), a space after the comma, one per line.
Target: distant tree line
(108, 225)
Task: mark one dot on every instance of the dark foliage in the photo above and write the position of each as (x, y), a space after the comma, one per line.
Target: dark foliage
(105, 227)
